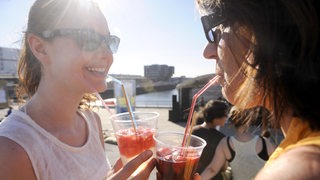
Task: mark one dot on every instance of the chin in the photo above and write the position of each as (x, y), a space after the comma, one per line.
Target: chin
(97, 88)
(228, 96)
(101, 89)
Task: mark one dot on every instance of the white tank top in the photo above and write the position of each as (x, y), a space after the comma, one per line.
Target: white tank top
(246, 163)
(52, 159)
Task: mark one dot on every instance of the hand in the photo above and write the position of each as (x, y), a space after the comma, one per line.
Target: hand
(126, 171)
(196, 176)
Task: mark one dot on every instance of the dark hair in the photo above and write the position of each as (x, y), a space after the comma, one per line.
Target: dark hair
(257, 116)
(286, 52)
(214, 109)
(43, 15)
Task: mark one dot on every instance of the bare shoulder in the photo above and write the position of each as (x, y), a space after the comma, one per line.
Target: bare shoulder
(297, 163)
(14, 161)
(98, 121)
(95, 116)
(223, 146)
(223, 143)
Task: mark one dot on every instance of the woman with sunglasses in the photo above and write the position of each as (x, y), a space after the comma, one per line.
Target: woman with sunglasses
(67, 52)
(268, 53)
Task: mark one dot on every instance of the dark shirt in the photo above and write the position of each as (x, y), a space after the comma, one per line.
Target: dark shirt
(212, 137)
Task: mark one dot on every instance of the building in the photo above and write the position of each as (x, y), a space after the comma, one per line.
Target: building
(186, 90)
(8, 74)
(158, 72)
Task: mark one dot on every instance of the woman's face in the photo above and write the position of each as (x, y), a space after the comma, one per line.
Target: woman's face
(230, 53)
(69, 65)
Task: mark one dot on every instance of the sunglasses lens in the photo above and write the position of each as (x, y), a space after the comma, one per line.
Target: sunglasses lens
(89, 41)
(113, 43)
(209, 22)
(211, 35)
(92, 41)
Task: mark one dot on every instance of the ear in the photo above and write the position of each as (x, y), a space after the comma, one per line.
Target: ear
(38, 47)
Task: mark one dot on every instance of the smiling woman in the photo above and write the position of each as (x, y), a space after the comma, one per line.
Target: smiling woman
(66, 55)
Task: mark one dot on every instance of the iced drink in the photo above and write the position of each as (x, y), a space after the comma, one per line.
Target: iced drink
(134, 140)
(173, 160)
(131, 144)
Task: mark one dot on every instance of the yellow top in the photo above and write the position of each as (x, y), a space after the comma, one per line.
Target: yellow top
(299, 134)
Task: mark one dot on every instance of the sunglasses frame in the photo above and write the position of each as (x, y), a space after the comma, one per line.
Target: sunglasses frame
(209, 22)
(111, 41)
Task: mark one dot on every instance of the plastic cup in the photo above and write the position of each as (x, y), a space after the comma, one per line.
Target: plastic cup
(173, 160)
(132, 141)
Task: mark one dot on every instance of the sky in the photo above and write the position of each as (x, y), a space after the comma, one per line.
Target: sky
(151, 32)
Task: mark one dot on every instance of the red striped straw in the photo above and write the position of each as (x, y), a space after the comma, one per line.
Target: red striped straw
(103, 103)
(190, 123)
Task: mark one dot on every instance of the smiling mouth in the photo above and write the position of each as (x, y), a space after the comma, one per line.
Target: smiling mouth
(98, 70)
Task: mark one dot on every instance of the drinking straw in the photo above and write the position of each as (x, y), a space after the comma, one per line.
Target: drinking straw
(134, 124)
(103, 103)
(190, 122)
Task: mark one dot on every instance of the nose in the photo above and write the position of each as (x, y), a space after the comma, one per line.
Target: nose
(210, 51)
(106, 54)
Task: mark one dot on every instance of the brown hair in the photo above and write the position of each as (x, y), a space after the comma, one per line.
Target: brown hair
(257, 116)
(214, 109)
(286, 53)
(43, 15)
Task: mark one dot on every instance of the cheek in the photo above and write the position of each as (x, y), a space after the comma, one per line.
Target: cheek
(66, 60)
(229, 61)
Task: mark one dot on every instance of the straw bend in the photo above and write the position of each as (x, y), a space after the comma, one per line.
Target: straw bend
(190, 123)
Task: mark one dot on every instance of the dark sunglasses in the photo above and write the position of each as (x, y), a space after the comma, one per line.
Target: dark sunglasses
(86, 39)
(209, 22)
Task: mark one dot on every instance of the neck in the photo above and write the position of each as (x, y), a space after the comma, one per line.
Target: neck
(242, 132)
(208, 125)
(53, 107)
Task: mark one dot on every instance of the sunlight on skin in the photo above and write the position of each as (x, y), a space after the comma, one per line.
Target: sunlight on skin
(104, 4)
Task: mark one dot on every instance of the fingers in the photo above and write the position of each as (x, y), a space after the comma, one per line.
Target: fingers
(147, 170)
(132, 165)
(196, 177)
(117, 166)
(158, 175)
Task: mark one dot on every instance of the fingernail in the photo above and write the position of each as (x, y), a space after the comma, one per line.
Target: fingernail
(149, 152)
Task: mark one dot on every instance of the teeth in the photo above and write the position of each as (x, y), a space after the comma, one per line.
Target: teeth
(97, 69)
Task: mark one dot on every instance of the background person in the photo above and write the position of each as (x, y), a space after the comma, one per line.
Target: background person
(245, 152)
(67, 52)
(214, 115)
(268, 54)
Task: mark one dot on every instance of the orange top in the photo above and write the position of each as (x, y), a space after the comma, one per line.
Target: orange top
(299, 134)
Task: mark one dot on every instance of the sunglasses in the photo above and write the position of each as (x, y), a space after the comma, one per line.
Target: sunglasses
(209, 22)
(86, 39)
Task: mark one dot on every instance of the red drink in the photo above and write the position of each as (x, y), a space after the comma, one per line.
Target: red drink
(131, 144)
(175, 162)
(134, 135)
(175, 165)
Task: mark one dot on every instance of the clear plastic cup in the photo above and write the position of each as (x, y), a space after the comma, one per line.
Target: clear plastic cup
(134, 138)
(173, 160)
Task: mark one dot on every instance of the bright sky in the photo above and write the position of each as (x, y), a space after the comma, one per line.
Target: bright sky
(151, 31)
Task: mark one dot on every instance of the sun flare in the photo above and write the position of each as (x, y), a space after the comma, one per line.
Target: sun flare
(103, 4)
